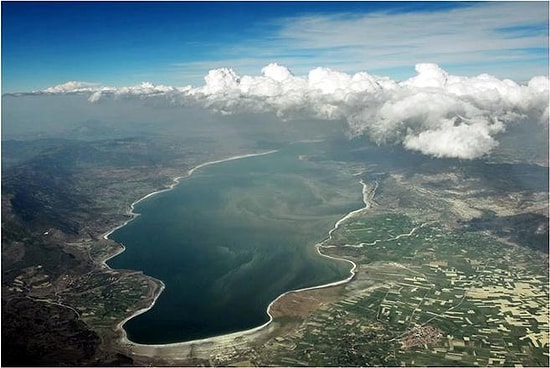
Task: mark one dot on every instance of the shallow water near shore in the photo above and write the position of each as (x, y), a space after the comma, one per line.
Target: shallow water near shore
(232, 237)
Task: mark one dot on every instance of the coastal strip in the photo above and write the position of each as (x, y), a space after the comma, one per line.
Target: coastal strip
(181, 349)
(352, 214)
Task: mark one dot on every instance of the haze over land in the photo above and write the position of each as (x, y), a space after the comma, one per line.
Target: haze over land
(433, 112)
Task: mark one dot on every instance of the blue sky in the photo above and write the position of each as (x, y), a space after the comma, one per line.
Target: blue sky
(45, 44)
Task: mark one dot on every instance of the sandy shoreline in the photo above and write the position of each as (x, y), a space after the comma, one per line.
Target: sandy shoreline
(150, 349)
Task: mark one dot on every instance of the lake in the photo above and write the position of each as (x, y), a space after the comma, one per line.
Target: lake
(232, 237)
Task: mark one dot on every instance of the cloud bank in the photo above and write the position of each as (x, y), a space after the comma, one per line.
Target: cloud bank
(435, 113)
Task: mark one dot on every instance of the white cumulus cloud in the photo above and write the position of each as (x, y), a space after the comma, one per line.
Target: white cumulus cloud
(72, 87)
(435, 113)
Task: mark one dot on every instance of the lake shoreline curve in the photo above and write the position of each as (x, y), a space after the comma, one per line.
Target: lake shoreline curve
(151, 349)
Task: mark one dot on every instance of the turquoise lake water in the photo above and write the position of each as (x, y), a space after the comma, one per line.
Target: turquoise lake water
(231, 238)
